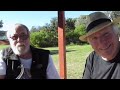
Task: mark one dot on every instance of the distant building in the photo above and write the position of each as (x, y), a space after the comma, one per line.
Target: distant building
(3, 38)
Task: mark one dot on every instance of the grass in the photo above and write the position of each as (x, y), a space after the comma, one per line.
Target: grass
(3, 46)
(75, 59)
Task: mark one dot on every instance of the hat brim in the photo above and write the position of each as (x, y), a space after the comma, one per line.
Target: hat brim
(98, 28)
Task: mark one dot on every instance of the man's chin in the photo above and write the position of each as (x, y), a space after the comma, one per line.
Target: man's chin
(19, 53)
(21, 50)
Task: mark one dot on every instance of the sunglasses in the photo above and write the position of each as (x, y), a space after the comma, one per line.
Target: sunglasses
(23, 37)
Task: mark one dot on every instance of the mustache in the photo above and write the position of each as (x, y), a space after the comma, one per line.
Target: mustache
(19, 45)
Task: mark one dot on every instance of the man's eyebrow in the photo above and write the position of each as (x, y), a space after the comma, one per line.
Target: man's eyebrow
(23, 33)
(13, 34)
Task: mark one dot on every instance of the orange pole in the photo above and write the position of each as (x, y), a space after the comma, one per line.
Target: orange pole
(61, 44)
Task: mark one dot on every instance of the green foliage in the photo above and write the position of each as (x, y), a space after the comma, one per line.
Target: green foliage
(70, 24)
(34, 39)
(72, 38)
(80, 29)
(81, 20)
(44, 38)
(47, 36)
(53, 24)
(33, 29)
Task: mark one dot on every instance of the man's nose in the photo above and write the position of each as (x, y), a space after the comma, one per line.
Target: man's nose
(19, 39)
(102, 41)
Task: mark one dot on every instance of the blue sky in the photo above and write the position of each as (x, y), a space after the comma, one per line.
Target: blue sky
(34, 18)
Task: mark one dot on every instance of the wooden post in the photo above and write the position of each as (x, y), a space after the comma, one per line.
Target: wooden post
(61, 44)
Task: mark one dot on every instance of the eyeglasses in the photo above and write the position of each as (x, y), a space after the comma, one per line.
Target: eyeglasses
(23, 37)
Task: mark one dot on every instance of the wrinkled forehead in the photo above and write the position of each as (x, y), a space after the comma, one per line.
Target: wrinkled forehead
(17, 29)
(101, 32)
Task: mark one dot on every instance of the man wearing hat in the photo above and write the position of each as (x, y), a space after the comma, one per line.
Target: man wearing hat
(103, 35)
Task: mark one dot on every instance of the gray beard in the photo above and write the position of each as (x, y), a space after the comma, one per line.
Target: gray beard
(19, 50)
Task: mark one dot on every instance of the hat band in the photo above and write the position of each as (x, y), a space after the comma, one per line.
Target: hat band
(97, 22)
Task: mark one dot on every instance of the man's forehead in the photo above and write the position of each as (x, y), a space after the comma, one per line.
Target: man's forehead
(104, 30)
(16, 30)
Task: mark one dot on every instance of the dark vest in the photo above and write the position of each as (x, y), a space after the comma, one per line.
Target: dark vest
(38, 67)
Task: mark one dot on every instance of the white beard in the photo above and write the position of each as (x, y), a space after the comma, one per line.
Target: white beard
(20, 50)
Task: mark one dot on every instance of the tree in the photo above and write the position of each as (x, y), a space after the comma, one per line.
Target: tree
(54, 24)
(33, 29)
(81, 20)
(80, 29)
(70, 24)
(112, 14)
(1, 24)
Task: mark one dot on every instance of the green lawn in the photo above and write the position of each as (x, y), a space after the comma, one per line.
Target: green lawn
(3, 46)
(75, 59)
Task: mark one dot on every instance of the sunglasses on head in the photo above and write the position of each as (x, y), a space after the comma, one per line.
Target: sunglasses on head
(23, 37)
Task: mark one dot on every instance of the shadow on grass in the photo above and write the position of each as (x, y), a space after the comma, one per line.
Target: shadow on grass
(52, 52)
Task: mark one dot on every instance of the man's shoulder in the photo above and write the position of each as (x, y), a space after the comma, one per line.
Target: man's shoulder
(93, 56)
(5, 53)
(93, 53)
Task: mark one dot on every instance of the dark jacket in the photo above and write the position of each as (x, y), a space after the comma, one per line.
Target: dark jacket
(38, 67)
